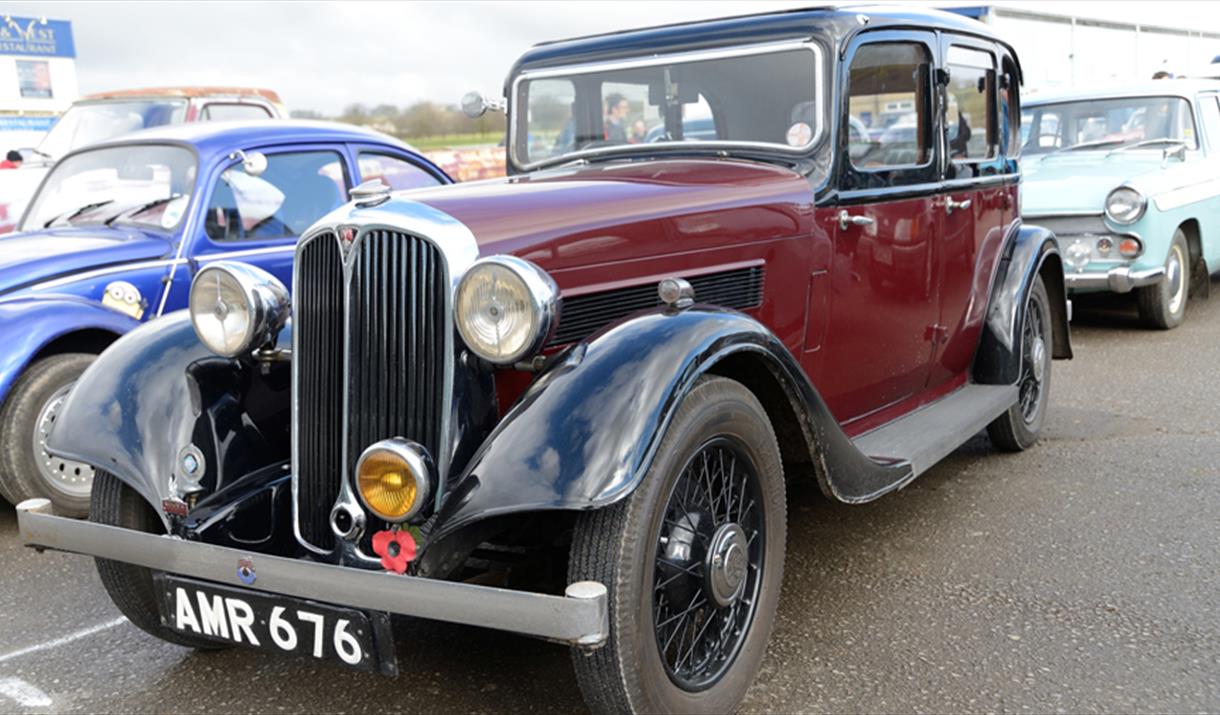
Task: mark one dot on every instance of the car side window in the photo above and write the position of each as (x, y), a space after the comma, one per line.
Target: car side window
(888, 106)
(297, 189)
(228, 112)
(970, 113)
(1209, 111)
(1011, 132)
(394, 172)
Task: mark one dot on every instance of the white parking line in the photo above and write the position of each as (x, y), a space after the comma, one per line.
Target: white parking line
(24, 694)
(62, 640)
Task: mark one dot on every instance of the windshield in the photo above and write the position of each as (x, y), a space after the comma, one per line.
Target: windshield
(1107, 124)
(147, 185)
(89, 123)
(766, 98)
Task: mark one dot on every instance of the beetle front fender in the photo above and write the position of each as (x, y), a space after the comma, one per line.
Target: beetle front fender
(30, 323)
(157, 391)
(584, 434)
(1031, 251)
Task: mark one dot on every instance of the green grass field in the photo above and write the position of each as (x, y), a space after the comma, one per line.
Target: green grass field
(453, 141)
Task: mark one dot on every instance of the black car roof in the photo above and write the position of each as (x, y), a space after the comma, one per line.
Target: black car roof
(839, 23)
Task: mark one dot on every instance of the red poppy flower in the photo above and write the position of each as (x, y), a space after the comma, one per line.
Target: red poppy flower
(396, 549)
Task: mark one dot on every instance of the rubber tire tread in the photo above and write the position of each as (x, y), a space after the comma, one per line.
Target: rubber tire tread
(1153, 300)
(19, 479)
(131, 587)
(608, 531)
(1008, 432)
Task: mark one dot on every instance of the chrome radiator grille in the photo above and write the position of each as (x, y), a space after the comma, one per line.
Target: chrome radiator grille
(318, 372)
(393, 382)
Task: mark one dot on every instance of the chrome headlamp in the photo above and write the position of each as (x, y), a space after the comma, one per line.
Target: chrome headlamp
(236, 307)
(1125, 205)
(506, 308)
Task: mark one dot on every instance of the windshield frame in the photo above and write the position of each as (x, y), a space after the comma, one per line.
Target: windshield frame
(817, 77)
(1037, 104)
(113, 144)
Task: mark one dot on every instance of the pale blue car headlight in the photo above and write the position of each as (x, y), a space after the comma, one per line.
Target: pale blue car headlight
(1125, 205)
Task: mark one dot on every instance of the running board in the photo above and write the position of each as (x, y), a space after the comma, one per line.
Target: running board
(932, 432)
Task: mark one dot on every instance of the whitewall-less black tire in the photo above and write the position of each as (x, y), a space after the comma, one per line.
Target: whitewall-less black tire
(706, 526)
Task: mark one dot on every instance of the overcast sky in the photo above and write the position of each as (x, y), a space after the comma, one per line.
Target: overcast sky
(326, 55)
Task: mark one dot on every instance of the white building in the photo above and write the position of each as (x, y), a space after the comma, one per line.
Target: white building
(37, 77)
(1059, 50)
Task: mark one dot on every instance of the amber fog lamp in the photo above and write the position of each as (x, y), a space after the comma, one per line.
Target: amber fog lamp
(1130, 248)
(506, 309)
(236, 307)
(393, 478)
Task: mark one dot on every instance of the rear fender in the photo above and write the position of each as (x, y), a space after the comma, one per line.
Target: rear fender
(584, 434)
(30, 324)
(158, 392)
(1031, 251)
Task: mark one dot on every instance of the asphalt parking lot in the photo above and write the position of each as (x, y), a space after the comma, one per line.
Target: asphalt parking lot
(1081, 576)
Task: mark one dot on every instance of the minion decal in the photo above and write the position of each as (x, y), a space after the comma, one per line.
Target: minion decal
(125, 298)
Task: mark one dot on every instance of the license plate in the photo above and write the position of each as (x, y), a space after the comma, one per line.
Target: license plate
(271, 622)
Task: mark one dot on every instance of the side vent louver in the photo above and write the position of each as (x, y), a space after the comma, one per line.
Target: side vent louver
(582, 315)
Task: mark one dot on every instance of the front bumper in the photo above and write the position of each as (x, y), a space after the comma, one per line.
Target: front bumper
(579, 618)
(1118, 280)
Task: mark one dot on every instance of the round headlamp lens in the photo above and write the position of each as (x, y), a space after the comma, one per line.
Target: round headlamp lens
(387, 485)
(221, 312)
(1125, 205)
(505, 307)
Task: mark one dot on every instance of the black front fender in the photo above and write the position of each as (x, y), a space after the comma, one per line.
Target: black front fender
(585, 432)
(1031, 251)
(157, 391)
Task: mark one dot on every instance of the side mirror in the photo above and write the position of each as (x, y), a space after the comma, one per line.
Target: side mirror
(254, 163)
(475, 105)
(1177, 151)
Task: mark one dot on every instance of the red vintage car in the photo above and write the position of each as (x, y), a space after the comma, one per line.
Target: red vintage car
(567, 403)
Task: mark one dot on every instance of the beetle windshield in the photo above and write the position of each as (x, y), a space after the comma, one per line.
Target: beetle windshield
(93, 122)
(1107, 124)
(765, 98)
(146, 184)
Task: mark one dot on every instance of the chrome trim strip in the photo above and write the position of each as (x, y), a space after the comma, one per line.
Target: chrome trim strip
(1026, 216)
(122, 268)
(457, 245)
(230, 255)
(580, 617)
(674, 58)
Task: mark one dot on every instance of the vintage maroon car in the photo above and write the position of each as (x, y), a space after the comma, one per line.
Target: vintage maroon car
(567, 403)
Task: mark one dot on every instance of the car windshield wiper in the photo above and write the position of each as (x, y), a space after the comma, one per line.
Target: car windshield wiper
(41, 153)
(68, 218)
(1087, 145)
(1148, 142)
(142, 208)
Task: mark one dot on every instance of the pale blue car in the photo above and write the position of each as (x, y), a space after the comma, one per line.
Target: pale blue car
(1129, 180)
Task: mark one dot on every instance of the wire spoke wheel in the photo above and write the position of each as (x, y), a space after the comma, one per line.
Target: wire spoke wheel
(1033, 362)
(708, 565)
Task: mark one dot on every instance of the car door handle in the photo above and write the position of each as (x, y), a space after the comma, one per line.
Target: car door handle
(950, 204)
(846, 219)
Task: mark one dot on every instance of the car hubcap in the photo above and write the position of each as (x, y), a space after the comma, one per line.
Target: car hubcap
(1175, 278)
(73, 479)
(1034, 363)
(708, 565)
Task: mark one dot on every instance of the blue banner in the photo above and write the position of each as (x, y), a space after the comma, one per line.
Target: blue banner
(36, 37)
(26, 124)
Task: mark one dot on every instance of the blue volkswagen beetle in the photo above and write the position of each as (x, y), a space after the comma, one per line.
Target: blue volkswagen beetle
(115, 234)
(1129, 180)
